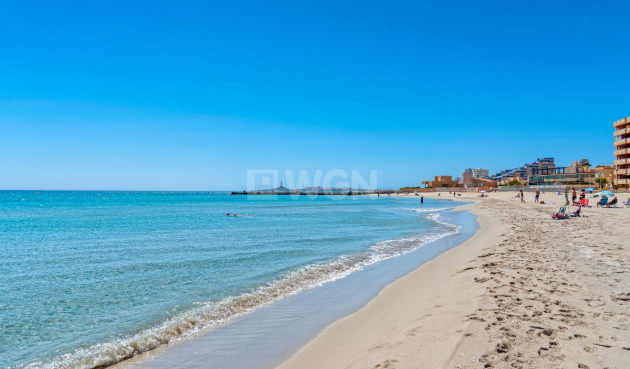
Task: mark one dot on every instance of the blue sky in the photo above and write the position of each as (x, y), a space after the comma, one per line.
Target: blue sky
(191, 95)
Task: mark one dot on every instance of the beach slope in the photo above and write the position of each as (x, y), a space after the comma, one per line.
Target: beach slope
(525, 292)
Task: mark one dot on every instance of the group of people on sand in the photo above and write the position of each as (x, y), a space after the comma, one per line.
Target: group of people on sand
(574, 196)
(604, 202)
(536, 197)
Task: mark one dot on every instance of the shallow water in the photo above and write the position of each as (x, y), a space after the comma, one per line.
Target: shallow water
(89, 278)
(270, 335)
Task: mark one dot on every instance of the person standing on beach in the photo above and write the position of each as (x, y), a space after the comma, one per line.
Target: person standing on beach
(522, 197)
(573, 196)
(537, 195)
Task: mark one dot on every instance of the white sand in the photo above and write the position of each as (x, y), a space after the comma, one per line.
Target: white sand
(525, 292)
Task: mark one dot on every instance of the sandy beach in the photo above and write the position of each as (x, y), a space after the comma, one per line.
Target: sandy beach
(526, 291)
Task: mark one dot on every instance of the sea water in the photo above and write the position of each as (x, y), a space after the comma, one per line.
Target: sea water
(88, 279)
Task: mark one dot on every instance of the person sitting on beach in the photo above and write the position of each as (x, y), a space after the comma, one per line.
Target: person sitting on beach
(577, 212)
(613, 202)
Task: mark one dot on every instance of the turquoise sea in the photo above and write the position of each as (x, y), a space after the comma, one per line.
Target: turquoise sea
(90, 278)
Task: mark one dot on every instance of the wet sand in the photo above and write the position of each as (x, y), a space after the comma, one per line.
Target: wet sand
(525, 292)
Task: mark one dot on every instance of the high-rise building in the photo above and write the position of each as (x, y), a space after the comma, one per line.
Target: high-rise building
(622, 152)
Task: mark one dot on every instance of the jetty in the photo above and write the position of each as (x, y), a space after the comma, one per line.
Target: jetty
(317, 193)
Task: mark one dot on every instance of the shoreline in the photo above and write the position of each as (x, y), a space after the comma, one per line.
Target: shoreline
(331, 301)
(525, 291)
(409, 307)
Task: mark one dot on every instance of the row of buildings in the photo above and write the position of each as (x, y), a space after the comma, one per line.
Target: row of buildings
(540, 173)
(544, 172)
(472, 180)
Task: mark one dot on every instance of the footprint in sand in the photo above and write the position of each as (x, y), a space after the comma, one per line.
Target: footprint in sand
(387, 364)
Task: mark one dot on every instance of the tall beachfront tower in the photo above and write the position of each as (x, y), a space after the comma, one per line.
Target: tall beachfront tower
(622, 152)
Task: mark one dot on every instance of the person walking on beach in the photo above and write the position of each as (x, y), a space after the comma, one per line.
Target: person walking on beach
(522, 197)
(537, 195)
(573, 196)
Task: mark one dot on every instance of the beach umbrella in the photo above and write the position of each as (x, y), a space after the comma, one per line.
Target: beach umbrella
(605, 193)
(590, 190)
(483, 191)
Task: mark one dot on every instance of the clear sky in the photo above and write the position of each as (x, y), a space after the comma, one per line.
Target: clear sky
(191, 95)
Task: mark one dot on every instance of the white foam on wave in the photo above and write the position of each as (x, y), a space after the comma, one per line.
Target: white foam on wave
(433, 210)
(209, 314)
(436, 218)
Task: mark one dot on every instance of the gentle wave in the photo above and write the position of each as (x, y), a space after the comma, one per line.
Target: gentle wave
(432, 210)
(210, 314)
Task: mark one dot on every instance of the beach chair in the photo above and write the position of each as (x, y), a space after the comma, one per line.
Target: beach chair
(628, 203)
(602, 202)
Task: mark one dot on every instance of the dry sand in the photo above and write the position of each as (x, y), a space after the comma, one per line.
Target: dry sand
(526, 291)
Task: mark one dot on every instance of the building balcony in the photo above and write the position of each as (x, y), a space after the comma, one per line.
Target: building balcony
(621, 152)
(623, 131)
(622, 122)
(622, 161)
(624, 171)
(625, 141)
